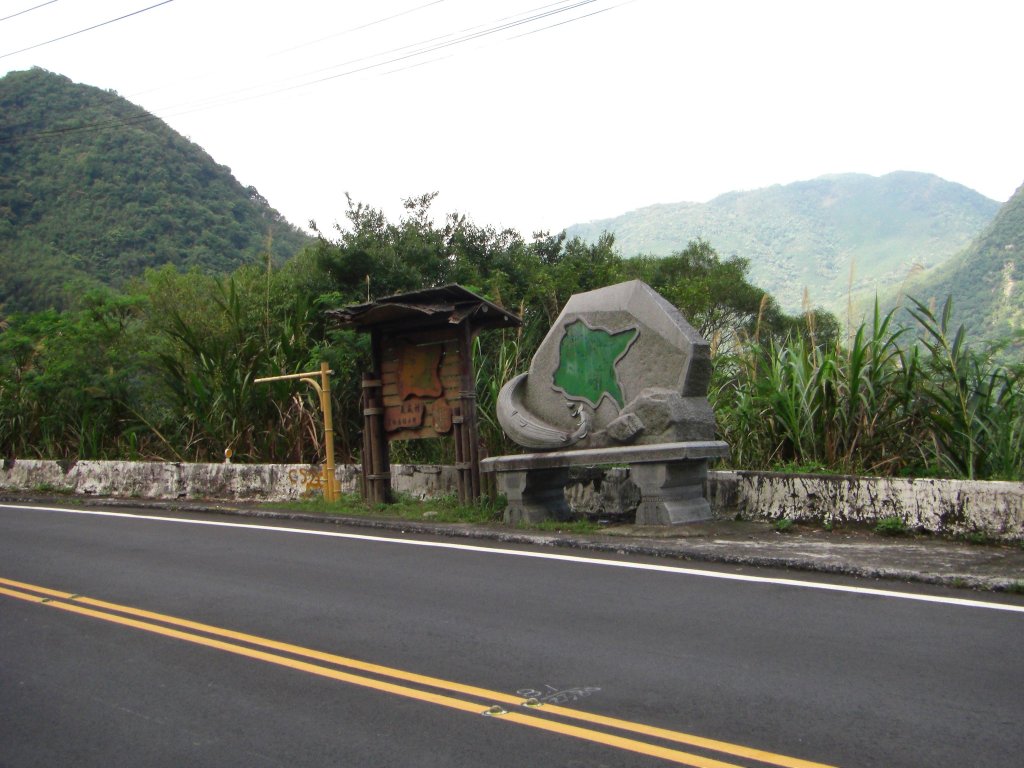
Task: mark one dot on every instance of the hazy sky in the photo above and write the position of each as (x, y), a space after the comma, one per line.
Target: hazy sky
(539, 115)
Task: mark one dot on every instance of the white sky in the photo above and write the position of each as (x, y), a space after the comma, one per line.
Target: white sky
(639, 102)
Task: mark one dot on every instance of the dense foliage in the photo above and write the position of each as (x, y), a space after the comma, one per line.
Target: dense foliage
(166, 368)
(142, 291)
(94, 190)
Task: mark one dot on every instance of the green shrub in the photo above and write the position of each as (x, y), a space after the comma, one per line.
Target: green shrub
(891, 525)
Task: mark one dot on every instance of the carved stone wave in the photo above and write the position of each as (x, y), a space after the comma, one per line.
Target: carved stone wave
(529, 431)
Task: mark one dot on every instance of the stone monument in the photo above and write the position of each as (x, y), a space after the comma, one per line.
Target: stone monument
(621, 378)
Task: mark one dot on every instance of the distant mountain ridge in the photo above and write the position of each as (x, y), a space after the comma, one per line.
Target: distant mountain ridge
(986, 280)
(808, 234)
(93, 190)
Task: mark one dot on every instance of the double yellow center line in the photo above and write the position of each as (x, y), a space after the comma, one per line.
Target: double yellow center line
(445, 693)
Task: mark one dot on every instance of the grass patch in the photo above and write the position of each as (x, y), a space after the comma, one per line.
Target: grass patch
(977, 537)
(803, 468)
(445, 509)
(50, 488)
(563, 526)
(783, 525)
(891, 526)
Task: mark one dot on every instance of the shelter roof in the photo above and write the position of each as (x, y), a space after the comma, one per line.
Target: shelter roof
(427, 308)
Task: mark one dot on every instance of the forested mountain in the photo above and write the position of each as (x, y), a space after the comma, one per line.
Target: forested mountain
(808, 234)
(93, 190)
(986, 279)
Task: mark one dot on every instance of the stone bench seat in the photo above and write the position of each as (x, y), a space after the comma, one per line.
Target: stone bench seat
(670, 477)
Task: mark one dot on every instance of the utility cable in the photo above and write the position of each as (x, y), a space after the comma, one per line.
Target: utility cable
(356, 29)
(87, 29)
(34, 7)
(421, 48)
(422, 51)
(287, 83)
(398, 55)
(569, 21)
(300, 46)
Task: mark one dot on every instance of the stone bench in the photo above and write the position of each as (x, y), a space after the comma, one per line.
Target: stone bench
(670, 477)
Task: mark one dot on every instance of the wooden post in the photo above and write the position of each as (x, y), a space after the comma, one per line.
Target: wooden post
(470, 446)
(376, 472)
(460, 456)
(382, 460)
(364, 486)
(381, 476)
(470, 438)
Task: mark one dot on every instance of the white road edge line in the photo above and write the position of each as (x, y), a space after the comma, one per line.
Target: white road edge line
(543, 556)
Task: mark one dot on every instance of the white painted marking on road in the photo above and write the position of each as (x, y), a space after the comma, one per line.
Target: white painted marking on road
(957, 601)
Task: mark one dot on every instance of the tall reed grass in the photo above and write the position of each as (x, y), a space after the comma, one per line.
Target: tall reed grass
(894, 399)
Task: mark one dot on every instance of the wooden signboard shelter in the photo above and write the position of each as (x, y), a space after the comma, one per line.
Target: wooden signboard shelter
(422, 384)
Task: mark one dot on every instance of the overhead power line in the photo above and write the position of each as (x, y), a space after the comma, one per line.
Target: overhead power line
(569, 21)
(34, 7)
(87, 29)
(288, 83)
(401, 55)
(361, 26)
(426, 47)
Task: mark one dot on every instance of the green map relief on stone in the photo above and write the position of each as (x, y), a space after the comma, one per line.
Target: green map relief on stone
(586, 362)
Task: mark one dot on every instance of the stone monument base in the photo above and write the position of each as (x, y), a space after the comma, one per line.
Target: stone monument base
(670, 477)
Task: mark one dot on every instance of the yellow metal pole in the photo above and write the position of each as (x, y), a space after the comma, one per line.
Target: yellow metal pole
(331, 486)
(310, 375)
(323, 389)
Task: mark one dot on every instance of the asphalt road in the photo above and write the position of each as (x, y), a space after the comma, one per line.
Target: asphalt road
(135, 640)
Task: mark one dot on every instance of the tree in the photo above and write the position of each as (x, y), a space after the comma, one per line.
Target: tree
(713, 295)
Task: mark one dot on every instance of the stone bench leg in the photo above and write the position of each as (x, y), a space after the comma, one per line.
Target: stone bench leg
(671, 492)
(534, 495)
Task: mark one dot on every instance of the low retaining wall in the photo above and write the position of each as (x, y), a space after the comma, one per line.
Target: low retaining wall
(950, 507)
(255, 482)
